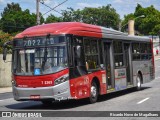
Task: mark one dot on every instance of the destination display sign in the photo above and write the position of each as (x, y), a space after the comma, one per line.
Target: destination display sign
(29, 42)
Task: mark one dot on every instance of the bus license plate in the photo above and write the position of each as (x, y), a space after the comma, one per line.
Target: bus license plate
(34, 96)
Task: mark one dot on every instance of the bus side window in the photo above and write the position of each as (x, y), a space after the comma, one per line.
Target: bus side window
(143, 48)
(136, 51)
(70, 54)
(91, 62)
(118, 54)
(78, 51)
(91, 53)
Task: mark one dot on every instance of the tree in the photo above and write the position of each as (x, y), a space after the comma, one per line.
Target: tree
(104, 16)
(4, 37)
(156, 30)
(14, 19)
(152, 19)
(148, 25)
(51, 19)
(68, 15)
(124, 24)
(11, 8)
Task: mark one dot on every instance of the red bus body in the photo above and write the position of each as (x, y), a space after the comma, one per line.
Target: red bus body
(42, 87)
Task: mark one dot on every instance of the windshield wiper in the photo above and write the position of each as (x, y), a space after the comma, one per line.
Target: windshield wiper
(45, 52)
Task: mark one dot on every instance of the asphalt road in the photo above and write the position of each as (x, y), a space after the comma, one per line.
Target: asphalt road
(148, 99)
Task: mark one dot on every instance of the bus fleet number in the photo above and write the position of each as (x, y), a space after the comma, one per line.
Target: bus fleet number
(46, 82)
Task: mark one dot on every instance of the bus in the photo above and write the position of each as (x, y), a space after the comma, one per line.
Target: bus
(73, 60)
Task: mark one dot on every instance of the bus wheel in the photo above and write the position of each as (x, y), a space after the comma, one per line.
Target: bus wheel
(94, 93)
(139, 82)
(46, 102)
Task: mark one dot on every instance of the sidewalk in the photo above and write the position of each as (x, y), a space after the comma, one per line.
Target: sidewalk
(157, 57)
(5, 89)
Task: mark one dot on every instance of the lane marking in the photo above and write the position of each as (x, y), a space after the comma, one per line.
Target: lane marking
(143, 100)
(157, 78)
(6, 99)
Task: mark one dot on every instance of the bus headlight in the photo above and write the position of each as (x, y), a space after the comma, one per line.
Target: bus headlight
(14, 83)
(61, 79)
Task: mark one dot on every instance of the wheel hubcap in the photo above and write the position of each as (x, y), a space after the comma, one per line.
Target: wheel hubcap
(93, 91)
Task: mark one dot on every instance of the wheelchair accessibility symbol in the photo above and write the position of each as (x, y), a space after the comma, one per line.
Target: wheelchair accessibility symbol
(36, 71)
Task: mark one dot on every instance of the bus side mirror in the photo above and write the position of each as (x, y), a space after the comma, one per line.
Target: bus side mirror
(4, 53)
(5, 49)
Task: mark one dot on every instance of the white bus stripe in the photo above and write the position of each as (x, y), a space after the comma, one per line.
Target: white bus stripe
(143, 100)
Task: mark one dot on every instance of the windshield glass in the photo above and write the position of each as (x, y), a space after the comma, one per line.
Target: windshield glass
(40, 60)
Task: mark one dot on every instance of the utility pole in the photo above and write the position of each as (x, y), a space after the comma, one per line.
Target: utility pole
(37, 11)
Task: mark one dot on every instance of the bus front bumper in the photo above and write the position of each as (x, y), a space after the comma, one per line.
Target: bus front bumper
(58, 92)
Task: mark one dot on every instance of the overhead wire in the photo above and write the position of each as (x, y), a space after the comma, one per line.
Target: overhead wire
(53, 7)
(50, 7)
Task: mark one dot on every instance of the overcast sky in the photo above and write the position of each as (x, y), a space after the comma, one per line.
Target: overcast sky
(122, 7)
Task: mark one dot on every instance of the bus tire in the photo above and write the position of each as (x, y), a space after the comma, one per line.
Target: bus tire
(46, 102)
(94, 92)
(138, 82)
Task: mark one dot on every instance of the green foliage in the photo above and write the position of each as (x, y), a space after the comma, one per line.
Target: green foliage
(156, 29)
(51, 19)
(103, 16)
(4, 37)
(15, 20)
(124, 24)
(150, 24)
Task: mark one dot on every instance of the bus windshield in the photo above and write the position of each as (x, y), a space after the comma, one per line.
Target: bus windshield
(40, 60)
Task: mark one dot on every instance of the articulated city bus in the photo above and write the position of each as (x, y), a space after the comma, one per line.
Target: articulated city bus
(72, 60)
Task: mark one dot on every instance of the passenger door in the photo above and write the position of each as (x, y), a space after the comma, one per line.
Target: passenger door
(108, 64)
(128, 63)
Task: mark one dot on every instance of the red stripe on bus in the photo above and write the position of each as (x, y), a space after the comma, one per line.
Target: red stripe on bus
(38, 81)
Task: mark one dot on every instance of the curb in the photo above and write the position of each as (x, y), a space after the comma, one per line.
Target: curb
(157, 59)
(5, 89)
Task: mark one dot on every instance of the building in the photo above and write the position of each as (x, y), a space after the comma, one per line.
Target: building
(156, 43)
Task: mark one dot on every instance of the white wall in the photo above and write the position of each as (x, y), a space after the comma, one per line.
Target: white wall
(5, 71)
